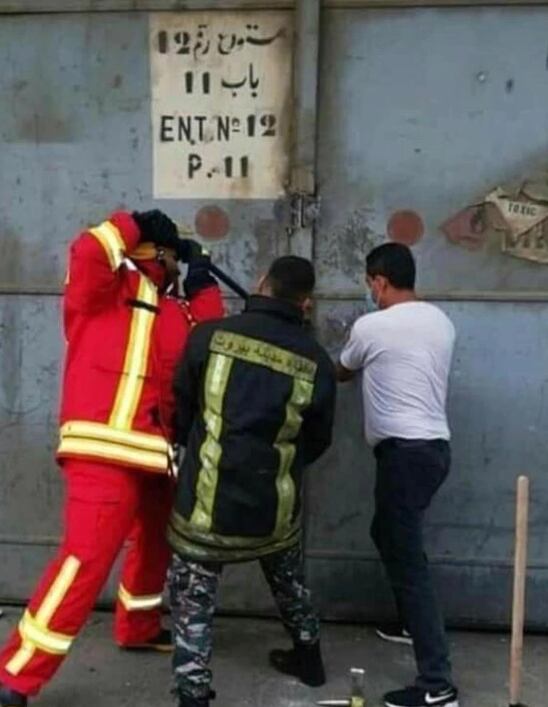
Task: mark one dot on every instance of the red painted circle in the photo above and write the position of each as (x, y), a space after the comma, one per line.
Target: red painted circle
(212, 222)
(405, 227)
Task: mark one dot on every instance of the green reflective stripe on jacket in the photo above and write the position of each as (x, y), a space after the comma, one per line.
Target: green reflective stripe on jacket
(255, 403)
(301, 396)
(217, 375)
(192, 543)
(204, 537)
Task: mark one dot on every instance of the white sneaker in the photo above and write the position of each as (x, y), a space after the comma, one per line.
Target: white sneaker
(394, 633)
(417, 697)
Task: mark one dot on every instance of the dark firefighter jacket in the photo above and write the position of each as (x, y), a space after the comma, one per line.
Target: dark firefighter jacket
(255, 399)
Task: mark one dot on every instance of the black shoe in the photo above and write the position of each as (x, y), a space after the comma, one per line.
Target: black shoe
(395, 633)
(10, 698)
(162, 643)
(303, 662)
(190, 701)
(417, 697)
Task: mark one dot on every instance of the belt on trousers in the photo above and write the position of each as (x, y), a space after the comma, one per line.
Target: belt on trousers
(402, 443)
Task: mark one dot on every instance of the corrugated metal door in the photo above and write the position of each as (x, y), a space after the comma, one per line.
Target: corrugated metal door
(425, 111)
(420, 110)
(75, 131)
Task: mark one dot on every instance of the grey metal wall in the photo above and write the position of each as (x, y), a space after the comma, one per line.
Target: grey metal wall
(415, 113)
(498, 415)
(75, 134)
(429, 110)
(399, 127)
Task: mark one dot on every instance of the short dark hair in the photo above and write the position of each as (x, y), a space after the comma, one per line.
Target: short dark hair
(291, 278)
(395, 262)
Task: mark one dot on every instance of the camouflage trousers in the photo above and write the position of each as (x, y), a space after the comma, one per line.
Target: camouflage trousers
(193, 592)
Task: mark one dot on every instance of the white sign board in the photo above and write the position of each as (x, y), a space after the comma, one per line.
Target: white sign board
(221, 103)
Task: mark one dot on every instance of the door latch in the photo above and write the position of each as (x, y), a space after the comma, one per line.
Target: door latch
(305, 210)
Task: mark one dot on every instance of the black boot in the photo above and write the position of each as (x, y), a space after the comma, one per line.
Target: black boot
(10, 698)
(303, 662)
(190, 701)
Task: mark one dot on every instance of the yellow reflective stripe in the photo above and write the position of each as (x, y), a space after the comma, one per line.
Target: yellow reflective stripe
(43, 638)
(99, 431)
(136, 360)
(113, 244)
(138, 603)
(301, 397)
(116, 452)
(49, 606)
(186, 546)
(23, 656)
(217, 541)
(58, 590)
(217, 375)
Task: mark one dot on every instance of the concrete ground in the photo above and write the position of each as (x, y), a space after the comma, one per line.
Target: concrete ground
(97, 674)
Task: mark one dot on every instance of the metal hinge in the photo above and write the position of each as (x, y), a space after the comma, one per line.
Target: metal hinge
(305, 210)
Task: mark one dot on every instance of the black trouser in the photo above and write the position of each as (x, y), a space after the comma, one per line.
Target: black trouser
(409, 472)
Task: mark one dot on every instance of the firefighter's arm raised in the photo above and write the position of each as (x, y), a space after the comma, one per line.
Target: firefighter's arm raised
(97, 255)
(95, 258)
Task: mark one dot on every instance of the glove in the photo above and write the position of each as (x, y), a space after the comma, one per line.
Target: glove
(157, 228)
(188, 250)
(198, 276)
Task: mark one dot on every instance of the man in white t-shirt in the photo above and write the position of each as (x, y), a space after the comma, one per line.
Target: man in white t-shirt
(403, 353)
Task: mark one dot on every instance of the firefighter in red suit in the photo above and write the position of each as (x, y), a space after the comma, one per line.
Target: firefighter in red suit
(124, 335)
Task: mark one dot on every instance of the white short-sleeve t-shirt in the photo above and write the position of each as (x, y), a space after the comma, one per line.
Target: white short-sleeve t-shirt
(404, 353)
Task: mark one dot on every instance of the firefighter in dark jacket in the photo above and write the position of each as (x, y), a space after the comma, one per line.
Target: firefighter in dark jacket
(255, 399)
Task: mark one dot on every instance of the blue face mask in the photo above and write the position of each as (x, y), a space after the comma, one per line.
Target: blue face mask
(370, 303)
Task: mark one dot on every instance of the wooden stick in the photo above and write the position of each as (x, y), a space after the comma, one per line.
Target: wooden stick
(520, 572)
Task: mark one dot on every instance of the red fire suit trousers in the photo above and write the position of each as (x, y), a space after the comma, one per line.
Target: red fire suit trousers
(106, 506)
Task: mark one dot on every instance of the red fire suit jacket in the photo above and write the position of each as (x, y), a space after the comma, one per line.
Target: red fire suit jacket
(124, 340)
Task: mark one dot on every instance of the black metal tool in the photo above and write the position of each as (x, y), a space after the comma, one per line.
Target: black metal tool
(228, 281)
(185, 232)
